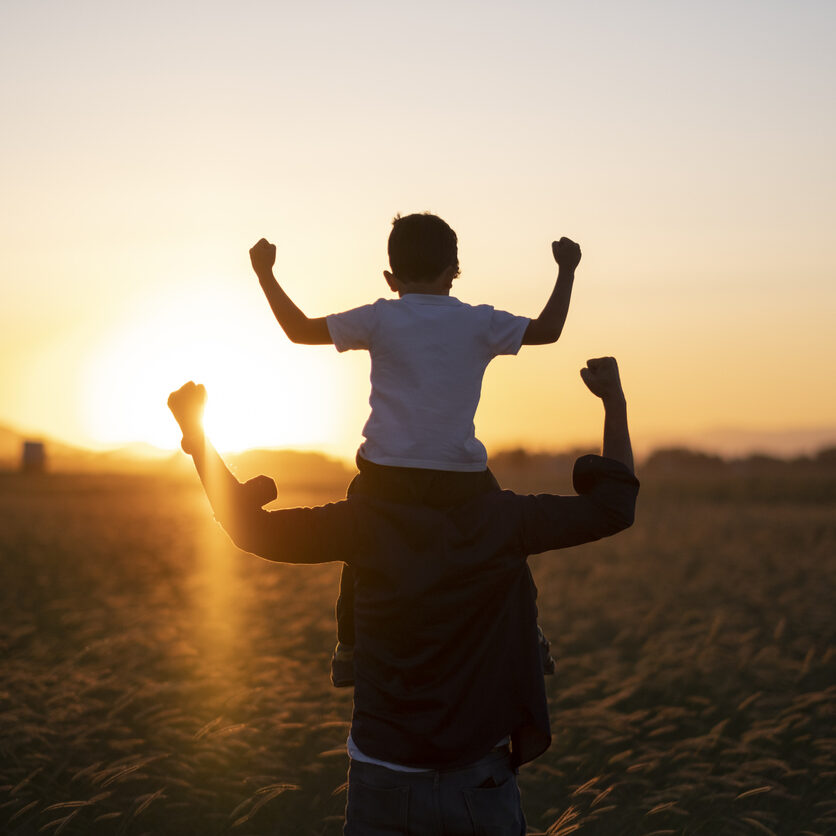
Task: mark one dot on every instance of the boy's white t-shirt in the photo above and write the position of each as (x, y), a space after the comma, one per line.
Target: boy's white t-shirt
(429, 354)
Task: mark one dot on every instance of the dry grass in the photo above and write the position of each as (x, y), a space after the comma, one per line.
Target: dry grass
(155, 680)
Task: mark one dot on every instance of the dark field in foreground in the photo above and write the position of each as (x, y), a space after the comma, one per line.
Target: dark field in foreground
(156, 680)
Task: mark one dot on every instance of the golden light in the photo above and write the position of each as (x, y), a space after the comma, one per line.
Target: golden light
(263, 390)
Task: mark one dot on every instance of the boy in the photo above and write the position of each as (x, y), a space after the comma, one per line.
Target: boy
(429, 352)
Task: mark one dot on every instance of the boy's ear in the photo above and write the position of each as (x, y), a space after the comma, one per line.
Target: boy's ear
(391, 281)
(448, 275)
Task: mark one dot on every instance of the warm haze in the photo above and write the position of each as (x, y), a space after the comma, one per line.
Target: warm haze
(687, 147)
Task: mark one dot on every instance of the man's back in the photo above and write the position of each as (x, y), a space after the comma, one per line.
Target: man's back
(447, 661)
(445, 620)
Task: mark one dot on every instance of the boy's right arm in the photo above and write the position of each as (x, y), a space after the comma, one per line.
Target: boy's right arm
(298, 327)
(548, 327)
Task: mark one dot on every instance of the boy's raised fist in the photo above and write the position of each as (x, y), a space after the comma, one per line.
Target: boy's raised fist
(566, 253)
(263, 256)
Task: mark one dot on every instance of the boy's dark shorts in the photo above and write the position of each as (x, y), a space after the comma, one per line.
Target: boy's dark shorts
(420, 486)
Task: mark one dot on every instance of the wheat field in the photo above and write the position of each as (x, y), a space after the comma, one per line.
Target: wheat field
(155, 680)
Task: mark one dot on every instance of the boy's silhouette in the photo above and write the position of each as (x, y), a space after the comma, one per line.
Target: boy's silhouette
(429, 352)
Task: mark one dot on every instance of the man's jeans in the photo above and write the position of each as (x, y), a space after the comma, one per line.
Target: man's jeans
(482, 798)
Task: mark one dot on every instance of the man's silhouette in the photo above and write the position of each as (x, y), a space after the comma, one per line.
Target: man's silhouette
(448, 671)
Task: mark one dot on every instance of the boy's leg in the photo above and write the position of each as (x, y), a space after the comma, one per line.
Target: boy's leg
(342, 660)
(345, 607)
(549, 664)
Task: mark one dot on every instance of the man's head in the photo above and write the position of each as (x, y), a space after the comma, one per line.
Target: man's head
(421, 248)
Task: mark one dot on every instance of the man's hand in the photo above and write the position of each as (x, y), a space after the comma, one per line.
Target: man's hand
(263, 257)
(187, 404)
(566, 253)
(602, 379)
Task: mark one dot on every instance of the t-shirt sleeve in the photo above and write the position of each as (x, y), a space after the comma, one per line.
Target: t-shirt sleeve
(352, 329)
(505, 332)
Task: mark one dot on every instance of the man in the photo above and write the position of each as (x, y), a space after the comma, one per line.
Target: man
(449, 697)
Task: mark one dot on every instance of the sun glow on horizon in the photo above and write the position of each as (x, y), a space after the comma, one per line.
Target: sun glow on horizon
(145, 152)
(262, 390)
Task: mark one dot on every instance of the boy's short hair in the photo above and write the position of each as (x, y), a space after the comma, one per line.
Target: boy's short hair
(421, 247)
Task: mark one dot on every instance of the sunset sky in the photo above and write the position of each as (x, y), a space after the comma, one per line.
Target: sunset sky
(688, 147)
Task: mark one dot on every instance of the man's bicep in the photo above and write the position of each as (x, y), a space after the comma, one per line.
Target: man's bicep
(557, 522)
(300, 535)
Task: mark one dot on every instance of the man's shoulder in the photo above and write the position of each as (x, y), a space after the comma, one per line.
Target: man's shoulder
(404, 502)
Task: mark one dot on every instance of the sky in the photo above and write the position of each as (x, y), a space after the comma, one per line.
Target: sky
(145, 147)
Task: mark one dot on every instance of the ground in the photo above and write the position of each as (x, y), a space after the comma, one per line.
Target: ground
(156, 680)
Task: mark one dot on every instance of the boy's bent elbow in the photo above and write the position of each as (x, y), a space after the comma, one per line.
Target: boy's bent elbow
(294, 330)
(541, 333)
(309, 331)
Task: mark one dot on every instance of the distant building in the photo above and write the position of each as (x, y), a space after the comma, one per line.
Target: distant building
(33, 458)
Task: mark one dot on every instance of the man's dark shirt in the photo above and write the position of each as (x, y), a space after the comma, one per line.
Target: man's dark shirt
(447, 660)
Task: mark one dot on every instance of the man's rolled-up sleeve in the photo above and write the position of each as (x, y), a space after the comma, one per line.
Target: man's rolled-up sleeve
(605, 505)
(298, 535)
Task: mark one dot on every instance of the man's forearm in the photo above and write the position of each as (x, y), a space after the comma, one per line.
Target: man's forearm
(288, 535)
(616, 432)
(222, 488)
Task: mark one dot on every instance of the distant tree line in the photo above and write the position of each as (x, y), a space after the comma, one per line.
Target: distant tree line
(681, 471)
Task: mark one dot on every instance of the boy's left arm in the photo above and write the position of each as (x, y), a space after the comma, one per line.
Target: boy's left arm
(549, 325)
(298, 327)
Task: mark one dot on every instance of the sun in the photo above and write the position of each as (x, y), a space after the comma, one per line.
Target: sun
(263, 391)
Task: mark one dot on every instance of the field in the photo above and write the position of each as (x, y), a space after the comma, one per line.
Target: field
(156, 680)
